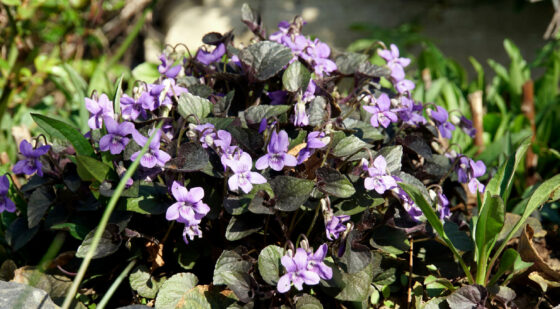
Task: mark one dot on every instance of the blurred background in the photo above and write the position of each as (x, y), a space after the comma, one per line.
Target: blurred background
(460, 28)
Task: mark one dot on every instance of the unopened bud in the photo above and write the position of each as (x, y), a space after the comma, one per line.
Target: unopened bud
(455, 120)
(432, 194)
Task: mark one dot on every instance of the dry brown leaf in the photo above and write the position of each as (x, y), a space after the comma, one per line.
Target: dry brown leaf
(20, 133)
(156, 255)
(529, 253)
(297, 148)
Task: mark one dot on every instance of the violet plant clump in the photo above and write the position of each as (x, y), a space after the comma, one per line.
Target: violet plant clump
(250, 146)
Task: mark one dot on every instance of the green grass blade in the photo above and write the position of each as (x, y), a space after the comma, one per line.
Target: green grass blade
(104, 220)
(434, 221)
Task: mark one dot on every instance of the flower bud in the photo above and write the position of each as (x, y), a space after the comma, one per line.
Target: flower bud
(455, 120)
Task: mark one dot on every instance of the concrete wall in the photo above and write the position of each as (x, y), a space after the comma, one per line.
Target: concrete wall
(459, 27)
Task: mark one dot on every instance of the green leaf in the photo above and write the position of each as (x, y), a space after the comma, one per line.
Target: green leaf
(242, 226)
(77, 231)
(63, 131)
(501, 183)
(19, 234)
(92, 169)
(308, 302)
(109, 243)
(459, 238)
(189, 105)
(434, 221)
(469, 296)
(147, 72)
(296, 77)
(191, 157)
(228, 262)
(291, 192)
(356, 285)
(355, 257)
(151, 200)
(510, 262)
(142, 282)
(488, 225)
(38, 204)
(254, 114)
(194, 299)
(426, 208)
(390, 239)
(546, 191)
(317, 111)
(349, 146)
(347, 63)
(172, 292)
(118, 95)
(266, 58)
(269, 264)
(334, 183)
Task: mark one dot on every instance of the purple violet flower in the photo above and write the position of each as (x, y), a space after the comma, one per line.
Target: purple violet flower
(131, 109)
(242, 176)
(163, 93)
(192, 231)
(411, 113)
(226, 150)
(381, 111)
(31, 163)
(440, 116)
(297, 273)
(315, 140)
(404, 86)
(394, 62)
(207, 134)
(300, 116)
(443, 206)
(154, 156)
(116, 139)
(309, 93)
(6, 204)
(189, 208)
(408, 204)
(378, 178)
(277, 156)
(467, 172)
(467, 126)
(335, 226)
(277, 97)
(99, 109)
(315, 262)
(166, 67)
(317, 54)
(208, 58)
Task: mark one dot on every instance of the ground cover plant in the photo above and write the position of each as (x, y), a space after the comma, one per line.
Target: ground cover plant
(279, 174)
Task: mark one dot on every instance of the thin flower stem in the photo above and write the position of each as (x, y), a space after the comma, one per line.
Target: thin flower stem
(115, 285)
(104, 220)
(317, 209)
(168, 231)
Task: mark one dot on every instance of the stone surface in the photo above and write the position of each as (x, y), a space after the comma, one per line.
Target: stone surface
(461, 28)
(17, 295)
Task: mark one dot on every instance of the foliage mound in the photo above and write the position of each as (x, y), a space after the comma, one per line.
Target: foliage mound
(281, 173)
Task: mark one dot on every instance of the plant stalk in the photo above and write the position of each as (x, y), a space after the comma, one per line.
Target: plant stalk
(104, 220)
(115, 285)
